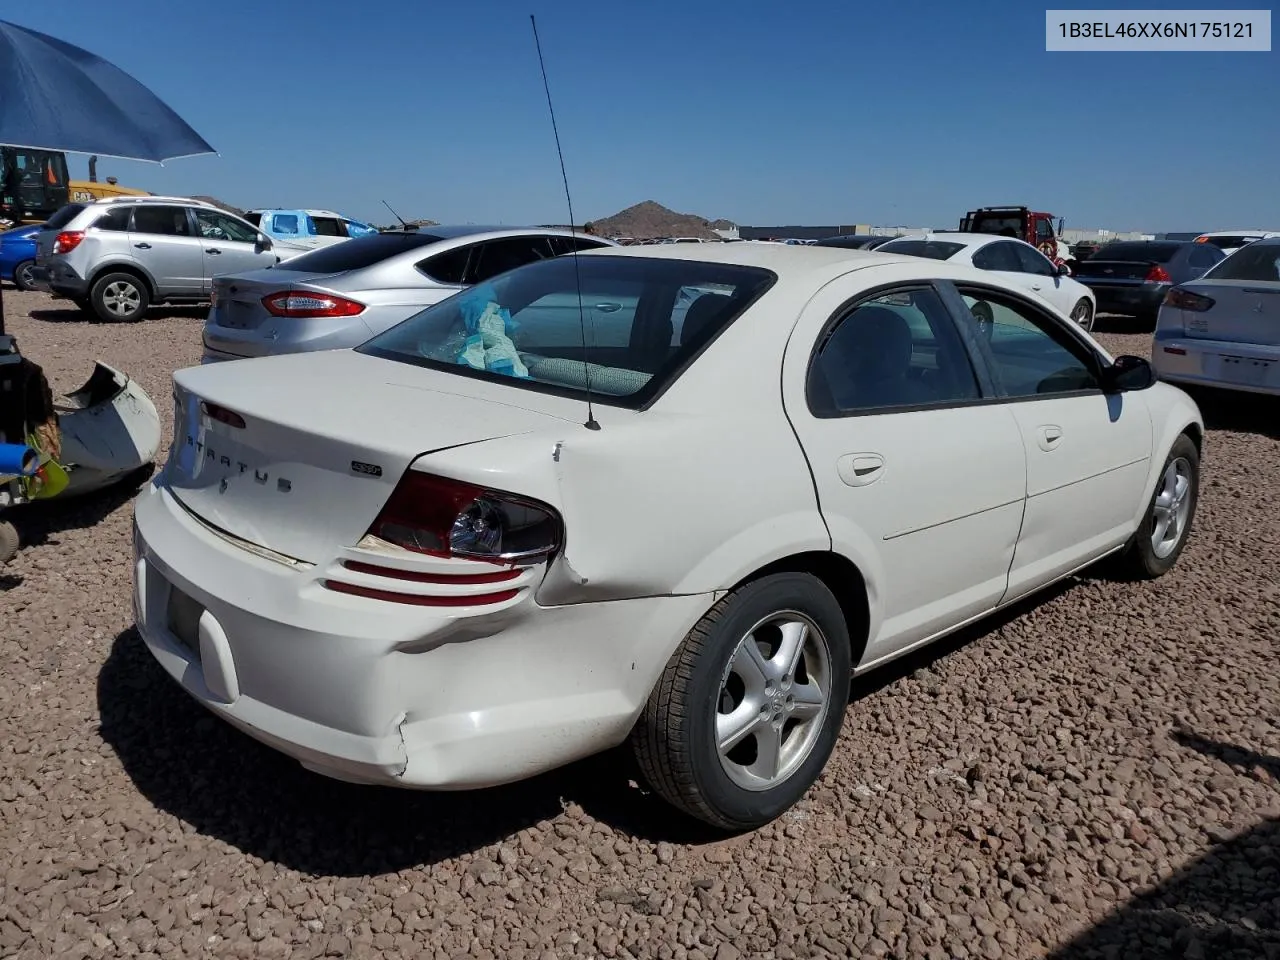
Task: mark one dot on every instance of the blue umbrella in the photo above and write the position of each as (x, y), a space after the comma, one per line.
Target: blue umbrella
(54, 96)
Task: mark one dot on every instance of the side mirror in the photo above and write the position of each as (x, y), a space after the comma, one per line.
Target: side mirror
(264, 243)
(1127, 373)
(1061, 270)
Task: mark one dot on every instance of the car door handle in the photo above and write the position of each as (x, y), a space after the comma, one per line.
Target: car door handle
(859, 469)
(212, 250)
(1050, 437)
(143, 246)
(1035, 286)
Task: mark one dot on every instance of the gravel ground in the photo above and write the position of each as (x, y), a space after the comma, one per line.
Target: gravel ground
(1095, 776)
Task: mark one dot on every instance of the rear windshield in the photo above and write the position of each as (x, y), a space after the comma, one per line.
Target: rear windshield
(64, 216)
(933, 249)
(1138, 252)
(641, 320)
(357, 253)
(1256, 263)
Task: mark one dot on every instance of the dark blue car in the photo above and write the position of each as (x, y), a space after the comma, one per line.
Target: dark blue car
(18, 255)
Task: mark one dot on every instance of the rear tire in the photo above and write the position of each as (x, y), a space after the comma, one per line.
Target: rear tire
(22, 278)
(765, 673)
(119, 298)
(1159, 540)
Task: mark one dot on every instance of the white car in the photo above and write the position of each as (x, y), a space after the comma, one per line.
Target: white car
(439, 561)
(1223, 330)
(1011, 259)
(1230, 241)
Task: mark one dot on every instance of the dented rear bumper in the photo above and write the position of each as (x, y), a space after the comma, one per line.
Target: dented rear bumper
(375, 692)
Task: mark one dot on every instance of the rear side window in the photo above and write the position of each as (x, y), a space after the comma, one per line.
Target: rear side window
(64, 216)
(285, 223)
(563, 245)
(932, 249)
(998, 256)
(447, 267)
(1256, 263)
(898, 350)
(165, 221)
(1204, 255)
(329, 227)
(116, 219)
(499, 256)
(356, 254)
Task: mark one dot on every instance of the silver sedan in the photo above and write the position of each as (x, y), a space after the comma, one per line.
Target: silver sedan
(342, 295)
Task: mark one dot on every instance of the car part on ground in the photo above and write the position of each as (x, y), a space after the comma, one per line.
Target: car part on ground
(479, 528)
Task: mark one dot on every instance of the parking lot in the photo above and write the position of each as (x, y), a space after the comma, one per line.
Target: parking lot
(1096, 773)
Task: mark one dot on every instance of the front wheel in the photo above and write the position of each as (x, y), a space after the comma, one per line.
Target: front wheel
(744, 718)
(22, 278)
(1163, 532)
(1083, 315)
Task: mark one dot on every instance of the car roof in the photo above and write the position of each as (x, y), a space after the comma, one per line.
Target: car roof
(454, 231)
(794, 259)
(1266, 234)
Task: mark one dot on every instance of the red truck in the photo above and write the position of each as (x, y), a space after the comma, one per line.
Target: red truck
(1034, 227)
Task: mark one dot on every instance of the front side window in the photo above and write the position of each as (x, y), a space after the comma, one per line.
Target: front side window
(499, 256)
(1030, 355)
(1044, 231)
(898, 350)
(216, 225)
(1031, 260)
(285, 224)
(606, 322)
(163, 221)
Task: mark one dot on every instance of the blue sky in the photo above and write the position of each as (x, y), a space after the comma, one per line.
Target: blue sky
(764, 113)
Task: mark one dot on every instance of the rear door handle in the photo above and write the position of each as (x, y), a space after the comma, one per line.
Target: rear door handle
(860, 469)
(212, 250)
(143, 246)
(1050, 437)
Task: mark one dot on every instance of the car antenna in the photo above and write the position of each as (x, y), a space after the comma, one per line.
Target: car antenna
(591, 423)
(397, 216)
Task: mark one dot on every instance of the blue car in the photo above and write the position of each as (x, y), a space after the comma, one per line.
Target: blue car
(18, 255)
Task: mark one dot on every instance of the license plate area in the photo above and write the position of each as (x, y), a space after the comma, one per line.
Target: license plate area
(183, 620)
(1245, 370)
(237, 315)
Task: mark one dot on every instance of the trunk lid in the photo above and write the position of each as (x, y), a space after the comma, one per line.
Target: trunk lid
(237, 300)
(1109, 270)
(326, 437)
(1242, 312)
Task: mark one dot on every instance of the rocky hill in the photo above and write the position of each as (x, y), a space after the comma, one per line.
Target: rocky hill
(652, 219)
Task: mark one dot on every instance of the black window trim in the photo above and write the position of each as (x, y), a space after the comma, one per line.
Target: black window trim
(1060, 331)
(462, 284)
(987, 388)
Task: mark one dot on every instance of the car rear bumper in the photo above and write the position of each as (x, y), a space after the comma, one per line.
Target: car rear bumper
(375, 692)
(1217, 363)
(270, 336)
(1128, 300)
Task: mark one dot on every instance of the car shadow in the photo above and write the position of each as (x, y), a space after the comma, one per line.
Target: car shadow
(1238, 412)
(1222, 906)
(1120, 323)
(40, 521)
(227, 785)
(72, 314)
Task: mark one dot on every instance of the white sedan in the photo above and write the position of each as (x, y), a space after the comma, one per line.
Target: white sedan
(439, 561)
(1010, 259)
(1223, 330)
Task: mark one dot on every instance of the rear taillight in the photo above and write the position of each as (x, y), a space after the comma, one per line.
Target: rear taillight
(302, 304)
(222, 415)
(448, 518)
(67, 241)
(1157, 274)
(1186, 300)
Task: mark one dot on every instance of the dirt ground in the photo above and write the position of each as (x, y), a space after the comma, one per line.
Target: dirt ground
(1096, 774)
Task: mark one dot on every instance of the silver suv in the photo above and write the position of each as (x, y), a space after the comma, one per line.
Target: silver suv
(116, 257)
